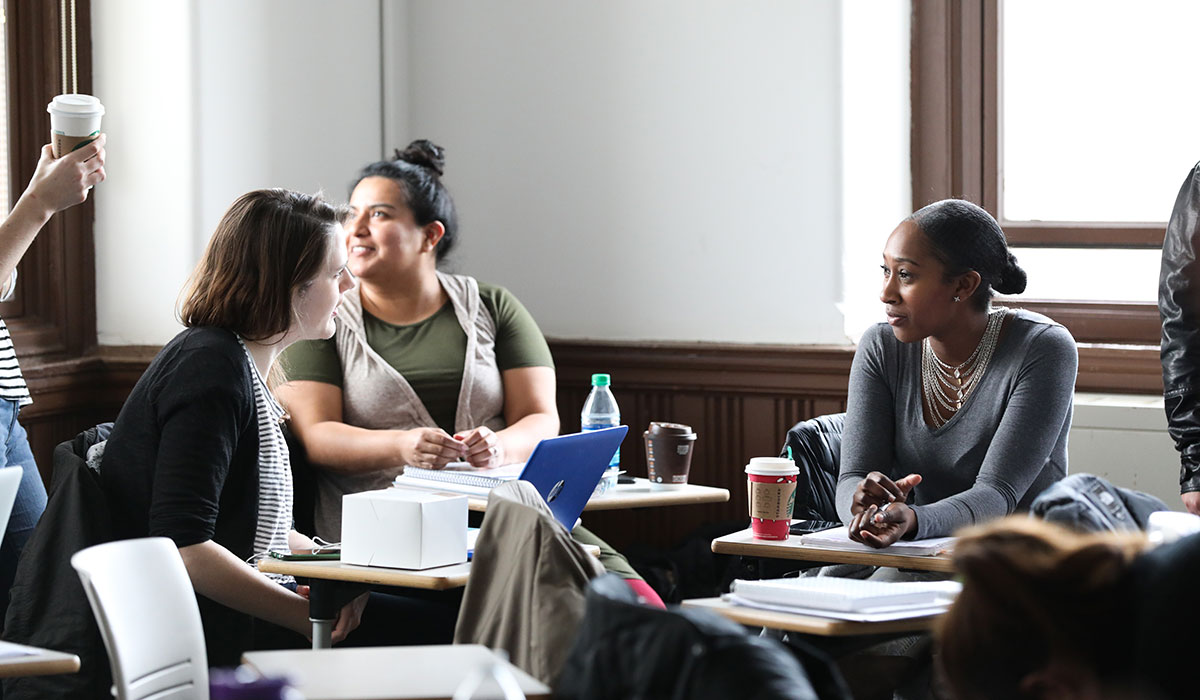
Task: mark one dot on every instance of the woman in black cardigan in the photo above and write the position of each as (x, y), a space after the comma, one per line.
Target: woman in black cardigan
(197, 454)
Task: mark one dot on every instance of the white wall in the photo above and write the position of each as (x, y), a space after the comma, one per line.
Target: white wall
(876, 164)
(691, 145)
(1124, 439)
(207, 100)
(715, 153)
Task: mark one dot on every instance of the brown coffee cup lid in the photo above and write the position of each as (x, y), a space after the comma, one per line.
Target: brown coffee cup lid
(664, 429)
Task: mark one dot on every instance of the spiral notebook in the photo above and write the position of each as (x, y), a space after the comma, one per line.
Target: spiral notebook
(464, 473)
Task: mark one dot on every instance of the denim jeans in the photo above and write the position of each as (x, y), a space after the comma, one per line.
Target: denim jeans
(31, 497)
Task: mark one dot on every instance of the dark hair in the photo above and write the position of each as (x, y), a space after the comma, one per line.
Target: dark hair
(964, 237)
(269, 244)
(1034, 593)
(418, 170)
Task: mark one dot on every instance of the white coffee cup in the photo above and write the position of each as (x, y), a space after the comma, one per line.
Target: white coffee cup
(74, 121)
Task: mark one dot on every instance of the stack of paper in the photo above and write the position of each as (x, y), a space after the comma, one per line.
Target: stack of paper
(844, 598)
(839, 538)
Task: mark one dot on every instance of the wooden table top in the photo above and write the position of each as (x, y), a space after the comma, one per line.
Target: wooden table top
(808, 624)
(396, 673)
(42, 662)
(744, 544)
(436, 579)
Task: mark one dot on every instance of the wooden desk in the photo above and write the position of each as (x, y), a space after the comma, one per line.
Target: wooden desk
(397, 673)
(42, 662)
(624, 496)
(325, 576)
(743, 544)
(808, 624)
(436, 579)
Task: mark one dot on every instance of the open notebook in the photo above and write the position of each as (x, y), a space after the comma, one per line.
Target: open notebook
(838, 538)
(563, 469)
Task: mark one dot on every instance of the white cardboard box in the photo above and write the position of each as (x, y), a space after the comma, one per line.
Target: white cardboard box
(404, 528)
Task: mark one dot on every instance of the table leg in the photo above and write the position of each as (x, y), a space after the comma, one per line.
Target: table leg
(322, 612)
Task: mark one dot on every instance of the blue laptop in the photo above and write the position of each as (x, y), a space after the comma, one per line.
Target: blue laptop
(566, 469)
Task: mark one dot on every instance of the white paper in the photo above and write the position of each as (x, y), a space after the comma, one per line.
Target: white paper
(880, 616)
(839, 538)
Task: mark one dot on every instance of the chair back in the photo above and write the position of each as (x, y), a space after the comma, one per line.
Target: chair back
(817, 449)
(146, 610)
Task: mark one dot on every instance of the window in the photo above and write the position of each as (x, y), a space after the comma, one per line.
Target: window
(54, 310)
(1073, 129)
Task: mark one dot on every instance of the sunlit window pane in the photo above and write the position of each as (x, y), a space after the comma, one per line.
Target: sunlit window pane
(1099, 106)
(1093, 275)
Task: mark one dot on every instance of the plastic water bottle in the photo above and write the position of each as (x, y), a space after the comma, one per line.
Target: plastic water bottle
(600, 411)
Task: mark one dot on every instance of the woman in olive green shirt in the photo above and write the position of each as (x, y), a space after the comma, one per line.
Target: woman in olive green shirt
(413, 321)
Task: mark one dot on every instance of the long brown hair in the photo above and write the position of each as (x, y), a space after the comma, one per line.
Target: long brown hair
(1034, 593)
(267, 245)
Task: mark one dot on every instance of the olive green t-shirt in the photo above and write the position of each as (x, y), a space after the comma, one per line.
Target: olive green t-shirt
(431, 353)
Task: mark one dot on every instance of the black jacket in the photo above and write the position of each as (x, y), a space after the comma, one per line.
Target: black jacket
(1179, 306)
(49, 608)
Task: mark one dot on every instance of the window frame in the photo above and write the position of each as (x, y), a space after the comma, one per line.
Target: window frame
(53, 313)
(956, 139)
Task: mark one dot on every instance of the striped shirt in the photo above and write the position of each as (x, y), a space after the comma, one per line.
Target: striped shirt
(274, 475)
(12, 384)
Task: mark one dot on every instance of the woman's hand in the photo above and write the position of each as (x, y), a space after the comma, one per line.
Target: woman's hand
(483, 447)
(348, 618)
(429, 448)
(879, 490)
(880, 527)
(59, 183)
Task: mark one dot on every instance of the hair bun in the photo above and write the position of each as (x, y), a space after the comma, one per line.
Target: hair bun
(1012, 277)
(424, 153)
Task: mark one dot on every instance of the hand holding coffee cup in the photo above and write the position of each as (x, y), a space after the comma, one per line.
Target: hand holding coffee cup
(74, 121)
(771, 488)
(59, 183)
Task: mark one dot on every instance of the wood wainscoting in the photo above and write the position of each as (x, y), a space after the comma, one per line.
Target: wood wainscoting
(72, 395)
(739, 399)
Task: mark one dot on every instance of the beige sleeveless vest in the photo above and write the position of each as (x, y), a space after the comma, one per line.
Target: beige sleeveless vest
(377, 397)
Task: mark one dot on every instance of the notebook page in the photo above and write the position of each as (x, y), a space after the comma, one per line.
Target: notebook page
(839, 538)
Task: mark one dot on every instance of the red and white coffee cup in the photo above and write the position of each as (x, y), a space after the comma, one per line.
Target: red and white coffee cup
(771, 491)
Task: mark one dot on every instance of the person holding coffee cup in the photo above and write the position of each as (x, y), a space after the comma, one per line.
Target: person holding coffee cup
(57, 184)
(957, 413)
(426, 368)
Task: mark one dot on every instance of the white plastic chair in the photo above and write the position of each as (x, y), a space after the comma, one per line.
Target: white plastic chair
(146, 609)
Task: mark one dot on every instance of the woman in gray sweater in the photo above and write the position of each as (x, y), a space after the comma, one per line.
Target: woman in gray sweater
(957, 413)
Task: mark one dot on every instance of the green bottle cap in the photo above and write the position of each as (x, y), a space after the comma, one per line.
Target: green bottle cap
(600, 380)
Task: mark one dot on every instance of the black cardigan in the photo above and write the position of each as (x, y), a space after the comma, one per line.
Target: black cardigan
(182, 462)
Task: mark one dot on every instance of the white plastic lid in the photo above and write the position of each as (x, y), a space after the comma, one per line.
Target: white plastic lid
(772, 466)
(76, 104)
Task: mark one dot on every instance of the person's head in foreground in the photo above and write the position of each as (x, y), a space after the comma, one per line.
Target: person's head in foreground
(1044, 613)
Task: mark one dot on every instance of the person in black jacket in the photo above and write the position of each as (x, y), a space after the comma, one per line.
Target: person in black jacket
(197, 453)
(1179, 306)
